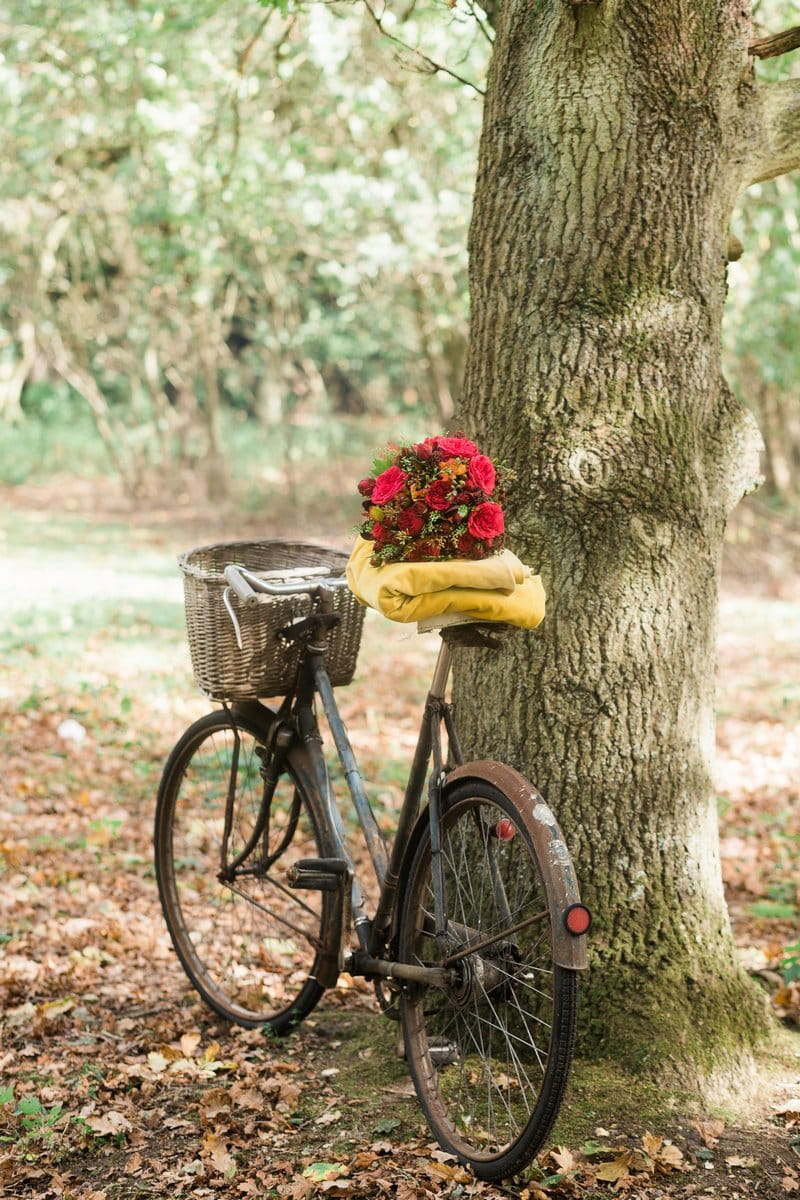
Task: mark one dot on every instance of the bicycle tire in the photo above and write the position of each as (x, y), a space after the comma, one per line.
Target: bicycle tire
(249, 945)
(489, 1056)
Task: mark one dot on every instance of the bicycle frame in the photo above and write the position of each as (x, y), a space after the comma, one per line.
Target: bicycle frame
(300, 739)
(373, 932)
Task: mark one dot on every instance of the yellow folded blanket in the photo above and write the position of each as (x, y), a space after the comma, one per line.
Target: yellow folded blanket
(498, 588)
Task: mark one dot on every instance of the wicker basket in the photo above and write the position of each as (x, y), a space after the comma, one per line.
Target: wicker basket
(264, 666)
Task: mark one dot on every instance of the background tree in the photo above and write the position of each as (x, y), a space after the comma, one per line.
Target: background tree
(223, 212)
(616, 140)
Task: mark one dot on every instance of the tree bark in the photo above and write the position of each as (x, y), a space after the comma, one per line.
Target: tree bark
(615, 140)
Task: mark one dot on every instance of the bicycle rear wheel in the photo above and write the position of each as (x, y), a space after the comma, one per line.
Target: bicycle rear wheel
(489, 1055)
(247, 942)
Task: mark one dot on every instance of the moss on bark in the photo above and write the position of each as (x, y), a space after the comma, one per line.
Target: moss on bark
(610, 158)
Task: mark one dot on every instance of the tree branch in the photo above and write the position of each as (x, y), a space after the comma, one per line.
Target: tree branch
(779, 150)
(776, 43)
(425, 64)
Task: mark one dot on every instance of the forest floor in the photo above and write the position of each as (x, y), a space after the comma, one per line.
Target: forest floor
(116, 1082)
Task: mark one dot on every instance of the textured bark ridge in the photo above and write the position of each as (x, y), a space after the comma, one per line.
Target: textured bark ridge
(615, 140)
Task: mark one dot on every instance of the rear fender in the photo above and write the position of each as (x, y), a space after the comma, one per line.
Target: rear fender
(558, 875)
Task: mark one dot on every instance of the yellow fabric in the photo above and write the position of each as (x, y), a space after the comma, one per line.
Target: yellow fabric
(498, 588)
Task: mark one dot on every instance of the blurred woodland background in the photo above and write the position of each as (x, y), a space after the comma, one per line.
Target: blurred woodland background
(235, 242)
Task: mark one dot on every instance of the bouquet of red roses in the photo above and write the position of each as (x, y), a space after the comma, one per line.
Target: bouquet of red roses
(435, 500)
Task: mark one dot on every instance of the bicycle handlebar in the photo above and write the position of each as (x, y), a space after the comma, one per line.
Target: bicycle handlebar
(297, 581)
(256, 589)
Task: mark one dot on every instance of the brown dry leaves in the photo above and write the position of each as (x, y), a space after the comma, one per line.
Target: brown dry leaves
(620, 1167)
(115, 1081)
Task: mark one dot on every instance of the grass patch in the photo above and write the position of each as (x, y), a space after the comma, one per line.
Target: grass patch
(371, 1081)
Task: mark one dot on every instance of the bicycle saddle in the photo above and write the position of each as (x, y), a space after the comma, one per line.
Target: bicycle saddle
(484, 635)
(305, 627)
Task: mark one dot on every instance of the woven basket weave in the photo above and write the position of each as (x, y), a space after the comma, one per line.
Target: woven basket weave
(264, 666)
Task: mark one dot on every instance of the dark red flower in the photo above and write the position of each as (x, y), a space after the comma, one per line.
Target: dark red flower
(438, 495)
(410, 521)
(366, 485)
(486, 521)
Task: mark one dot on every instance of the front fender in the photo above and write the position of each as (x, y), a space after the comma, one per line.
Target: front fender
(558, 874)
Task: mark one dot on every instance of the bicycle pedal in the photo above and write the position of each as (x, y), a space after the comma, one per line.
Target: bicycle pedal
(319, 874)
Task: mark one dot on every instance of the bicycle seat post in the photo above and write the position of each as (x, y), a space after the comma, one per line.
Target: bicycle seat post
(441, 672)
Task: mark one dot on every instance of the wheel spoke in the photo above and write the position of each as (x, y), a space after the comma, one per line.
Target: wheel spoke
(248, 944)
(482, 1051)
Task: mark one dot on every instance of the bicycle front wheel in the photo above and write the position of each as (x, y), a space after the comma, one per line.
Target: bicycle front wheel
(490, 1054)
(247, 942)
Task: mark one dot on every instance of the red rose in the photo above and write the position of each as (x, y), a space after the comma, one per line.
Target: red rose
(486, 521)
(458, 446)
(378, 532)
(466, 545)
(388, 484)
(423, 450)
(366, 485)
(481, 473)
(438, 495)
(410, 521)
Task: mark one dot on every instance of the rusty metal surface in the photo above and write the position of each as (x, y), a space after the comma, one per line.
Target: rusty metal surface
(558, 874)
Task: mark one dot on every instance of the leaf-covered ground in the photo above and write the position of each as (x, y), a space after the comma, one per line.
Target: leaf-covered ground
(116, 1082)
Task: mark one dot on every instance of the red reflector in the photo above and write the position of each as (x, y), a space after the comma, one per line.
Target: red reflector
(577, 919)
(505, 830)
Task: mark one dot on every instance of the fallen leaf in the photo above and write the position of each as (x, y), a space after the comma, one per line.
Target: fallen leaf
(298, 1189)
(189, 1044)
(247, 1097)
(133, 1164)
(563, 1158)
(652, 1144)
(110, 1124)
(318, 1172)
(329, 1117)
(438, 1170)
(670, 1156)
(612, 1172)
(214, 1103)
(52, 1009)
(217, 1155)
(736, 1160)
(709, 1131)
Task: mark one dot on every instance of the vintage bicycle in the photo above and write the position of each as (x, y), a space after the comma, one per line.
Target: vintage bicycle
(479, 934)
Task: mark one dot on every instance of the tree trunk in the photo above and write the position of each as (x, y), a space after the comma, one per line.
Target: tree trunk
(614, 143)
(215, 472)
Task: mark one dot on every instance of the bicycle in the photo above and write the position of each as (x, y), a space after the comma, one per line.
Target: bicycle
(479, 934)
